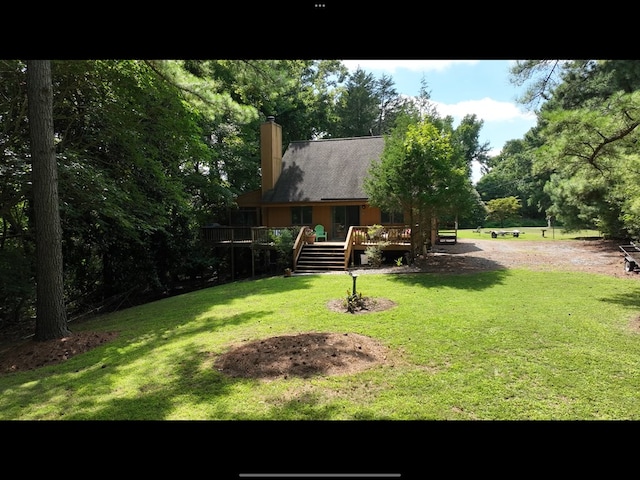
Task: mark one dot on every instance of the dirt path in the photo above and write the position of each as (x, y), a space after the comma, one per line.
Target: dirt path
(594, 256)
(472, 255)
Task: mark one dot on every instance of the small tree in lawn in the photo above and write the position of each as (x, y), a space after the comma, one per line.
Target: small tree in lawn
(417, 173)
(500, 209)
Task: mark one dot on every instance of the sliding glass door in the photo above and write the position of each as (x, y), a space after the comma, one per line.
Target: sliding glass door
(342, 218)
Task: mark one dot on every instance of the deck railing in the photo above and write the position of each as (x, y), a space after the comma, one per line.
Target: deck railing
(356, 235)
(390, 235)
(357, 238)
(221, 234)
(256, 235)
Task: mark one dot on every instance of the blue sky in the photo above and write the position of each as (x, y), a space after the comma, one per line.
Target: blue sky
(461, 87)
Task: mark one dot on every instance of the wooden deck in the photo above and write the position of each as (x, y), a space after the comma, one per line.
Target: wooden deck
(394, 238)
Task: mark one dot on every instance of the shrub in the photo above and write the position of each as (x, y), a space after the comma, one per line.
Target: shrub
(283, 243)
(355, 302)
(374, 255)
(375, 232)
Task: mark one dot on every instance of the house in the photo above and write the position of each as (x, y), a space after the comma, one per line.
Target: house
(315, 182)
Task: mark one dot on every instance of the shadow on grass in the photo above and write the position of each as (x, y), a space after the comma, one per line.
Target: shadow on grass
(630, 299)
(179, 309)
(463, 247)
(478, 280)
(190, 375)
(145, 331)
(310, 406)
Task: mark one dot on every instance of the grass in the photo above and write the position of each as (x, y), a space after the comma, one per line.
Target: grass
(530, 233)
(501, 345)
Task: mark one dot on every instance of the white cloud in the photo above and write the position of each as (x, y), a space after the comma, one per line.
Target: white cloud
(502, 119)
(414, 65)
(485, 109)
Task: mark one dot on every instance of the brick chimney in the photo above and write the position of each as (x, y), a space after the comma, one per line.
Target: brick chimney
(270, 153)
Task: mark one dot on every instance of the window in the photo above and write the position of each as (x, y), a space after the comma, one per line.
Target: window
(391, 217)
(301, 215)
(247, 217)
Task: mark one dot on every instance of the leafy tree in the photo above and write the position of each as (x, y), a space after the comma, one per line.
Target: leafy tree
(501, 209)
(464, 204)
(357, 107)
(301, 94)
(17, 265)
(466, 139)
(542, 77)
(581, 202)
(422, 105)
(416, 173)
(122, 178)
(51, 319)
(588, 127)
(392, 105)
(511, 174)
(596, 144)
(148, 151)
(473, 211)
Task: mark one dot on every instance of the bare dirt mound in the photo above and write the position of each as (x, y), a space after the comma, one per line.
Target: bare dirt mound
(29, 354)
(303, 355)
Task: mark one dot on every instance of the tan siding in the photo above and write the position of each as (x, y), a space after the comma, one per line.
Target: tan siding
(250, 199)
(370, 216)
(322, 214)
(278, 217)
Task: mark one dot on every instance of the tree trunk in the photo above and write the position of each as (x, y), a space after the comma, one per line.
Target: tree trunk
(434, 227)
(412, 234)
(51, 315)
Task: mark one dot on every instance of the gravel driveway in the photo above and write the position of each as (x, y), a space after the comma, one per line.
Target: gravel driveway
(470, 255)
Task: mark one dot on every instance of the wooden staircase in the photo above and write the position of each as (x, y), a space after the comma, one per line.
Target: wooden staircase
(321, 257)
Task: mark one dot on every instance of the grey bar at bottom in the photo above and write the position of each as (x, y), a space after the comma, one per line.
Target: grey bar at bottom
(320, 475)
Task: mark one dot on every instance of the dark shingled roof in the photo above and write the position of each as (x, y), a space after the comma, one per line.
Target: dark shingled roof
(333, 169)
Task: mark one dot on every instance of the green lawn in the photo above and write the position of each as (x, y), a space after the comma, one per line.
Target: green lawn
(503, 345)
(530, 233)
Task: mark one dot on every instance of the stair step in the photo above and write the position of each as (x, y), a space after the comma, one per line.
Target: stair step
(319, 258)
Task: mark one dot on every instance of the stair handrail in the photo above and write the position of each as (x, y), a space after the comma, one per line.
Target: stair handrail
(297, 247)
(348, 247)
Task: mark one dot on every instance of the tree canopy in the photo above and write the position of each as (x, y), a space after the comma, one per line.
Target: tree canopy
(418, 173)
(584, 154)
(502, 209)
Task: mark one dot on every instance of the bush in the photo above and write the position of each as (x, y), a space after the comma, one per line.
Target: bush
(283, 242)
(375, 252)
(375, 232)
(374, 255)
